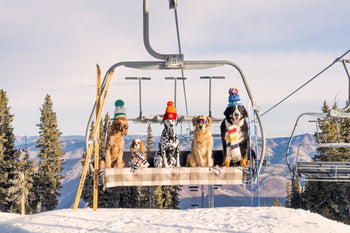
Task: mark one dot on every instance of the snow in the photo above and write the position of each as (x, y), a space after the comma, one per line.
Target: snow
(227, 219)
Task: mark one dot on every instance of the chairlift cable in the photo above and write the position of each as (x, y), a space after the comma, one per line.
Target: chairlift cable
(180, 52)
(336, 60)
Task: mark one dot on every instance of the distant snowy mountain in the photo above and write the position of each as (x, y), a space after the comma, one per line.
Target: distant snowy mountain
(272, 181)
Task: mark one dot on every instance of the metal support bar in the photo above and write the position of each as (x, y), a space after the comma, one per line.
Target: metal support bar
(210, 196)
(175, 84)
(210, 78)
(140, 97)
(348, 74)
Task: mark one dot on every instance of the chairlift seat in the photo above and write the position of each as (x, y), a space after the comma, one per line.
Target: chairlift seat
(173, 176)
(183, 175)
(323, 170)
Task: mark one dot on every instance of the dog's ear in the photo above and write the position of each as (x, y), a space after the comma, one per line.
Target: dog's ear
(209, 121)
(115, 125)
(194, 121)
(142, 147)
(244, 112)
(132, 146)
(228, 111)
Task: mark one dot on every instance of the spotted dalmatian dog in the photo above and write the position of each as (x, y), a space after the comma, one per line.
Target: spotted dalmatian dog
(168, 154)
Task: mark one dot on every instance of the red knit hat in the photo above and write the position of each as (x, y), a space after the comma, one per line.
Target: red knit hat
(170, 113)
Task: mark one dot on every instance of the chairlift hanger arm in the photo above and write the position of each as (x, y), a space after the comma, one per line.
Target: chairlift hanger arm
(317, 115)
(165, 57)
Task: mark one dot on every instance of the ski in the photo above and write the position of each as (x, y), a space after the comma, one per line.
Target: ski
(94, 132)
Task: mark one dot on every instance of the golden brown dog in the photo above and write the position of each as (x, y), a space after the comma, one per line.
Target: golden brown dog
(202, 144)
(113, 151)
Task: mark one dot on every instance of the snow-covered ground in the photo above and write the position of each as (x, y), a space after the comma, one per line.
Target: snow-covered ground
(228, 219)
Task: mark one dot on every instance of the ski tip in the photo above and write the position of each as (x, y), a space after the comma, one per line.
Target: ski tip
(98, 69)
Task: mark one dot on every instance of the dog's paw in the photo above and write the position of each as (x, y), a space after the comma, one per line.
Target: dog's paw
(226, 163)
(172, 162)
(158, 162)
(244, 163)
(101, 177)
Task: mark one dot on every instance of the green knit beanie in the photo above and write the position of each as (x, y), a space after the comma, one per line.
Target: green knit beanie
(119, 108)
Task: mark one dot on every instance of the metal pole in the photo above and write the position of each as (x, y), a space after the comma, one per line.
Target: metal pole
(211, 196)
(202, 196)
(175, 84)
(140, 96)
(347, 72)
(210, 78)
(210, 96)
(175, 92)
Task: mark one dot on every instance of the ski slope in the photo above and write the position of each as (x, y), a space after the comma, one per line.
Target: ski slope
(228, 219)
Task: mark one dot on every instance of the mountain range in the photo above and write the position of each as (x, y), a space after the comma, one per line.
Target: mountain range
(273, 177)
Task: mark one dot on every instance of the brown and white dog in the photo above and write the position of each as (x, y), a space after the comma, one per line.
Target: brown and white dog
(114, 148)
(138, 154)
(137, 146)
(234, 133)
(202, 144)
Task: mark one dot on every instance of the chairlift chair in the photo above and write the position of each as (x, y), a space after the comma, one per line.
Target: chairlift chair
(322, 170)
(176, 175)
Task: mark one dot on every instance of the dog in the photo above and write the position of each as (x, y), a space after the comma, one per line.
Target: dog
(114, 147)
(168, 154)
(138, 154)
(234, 132)
(202, 144)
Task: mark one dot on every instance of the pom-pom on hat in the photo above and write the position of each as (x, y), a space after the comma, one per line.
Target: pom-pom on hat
(119, 108)
(233, 98)
(170, 113)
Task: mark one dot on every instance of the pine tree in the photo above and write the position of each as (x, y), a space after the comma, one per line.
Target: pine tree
(167, 197)
(276, 203)
(295, 200)
(50, 158)
(149, 144)
(22, 184)
(9, 155)
(289, 196)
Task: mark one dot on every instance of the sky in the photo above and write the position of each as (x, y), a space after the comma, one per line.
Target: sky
(203, 220)
(52, 47)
